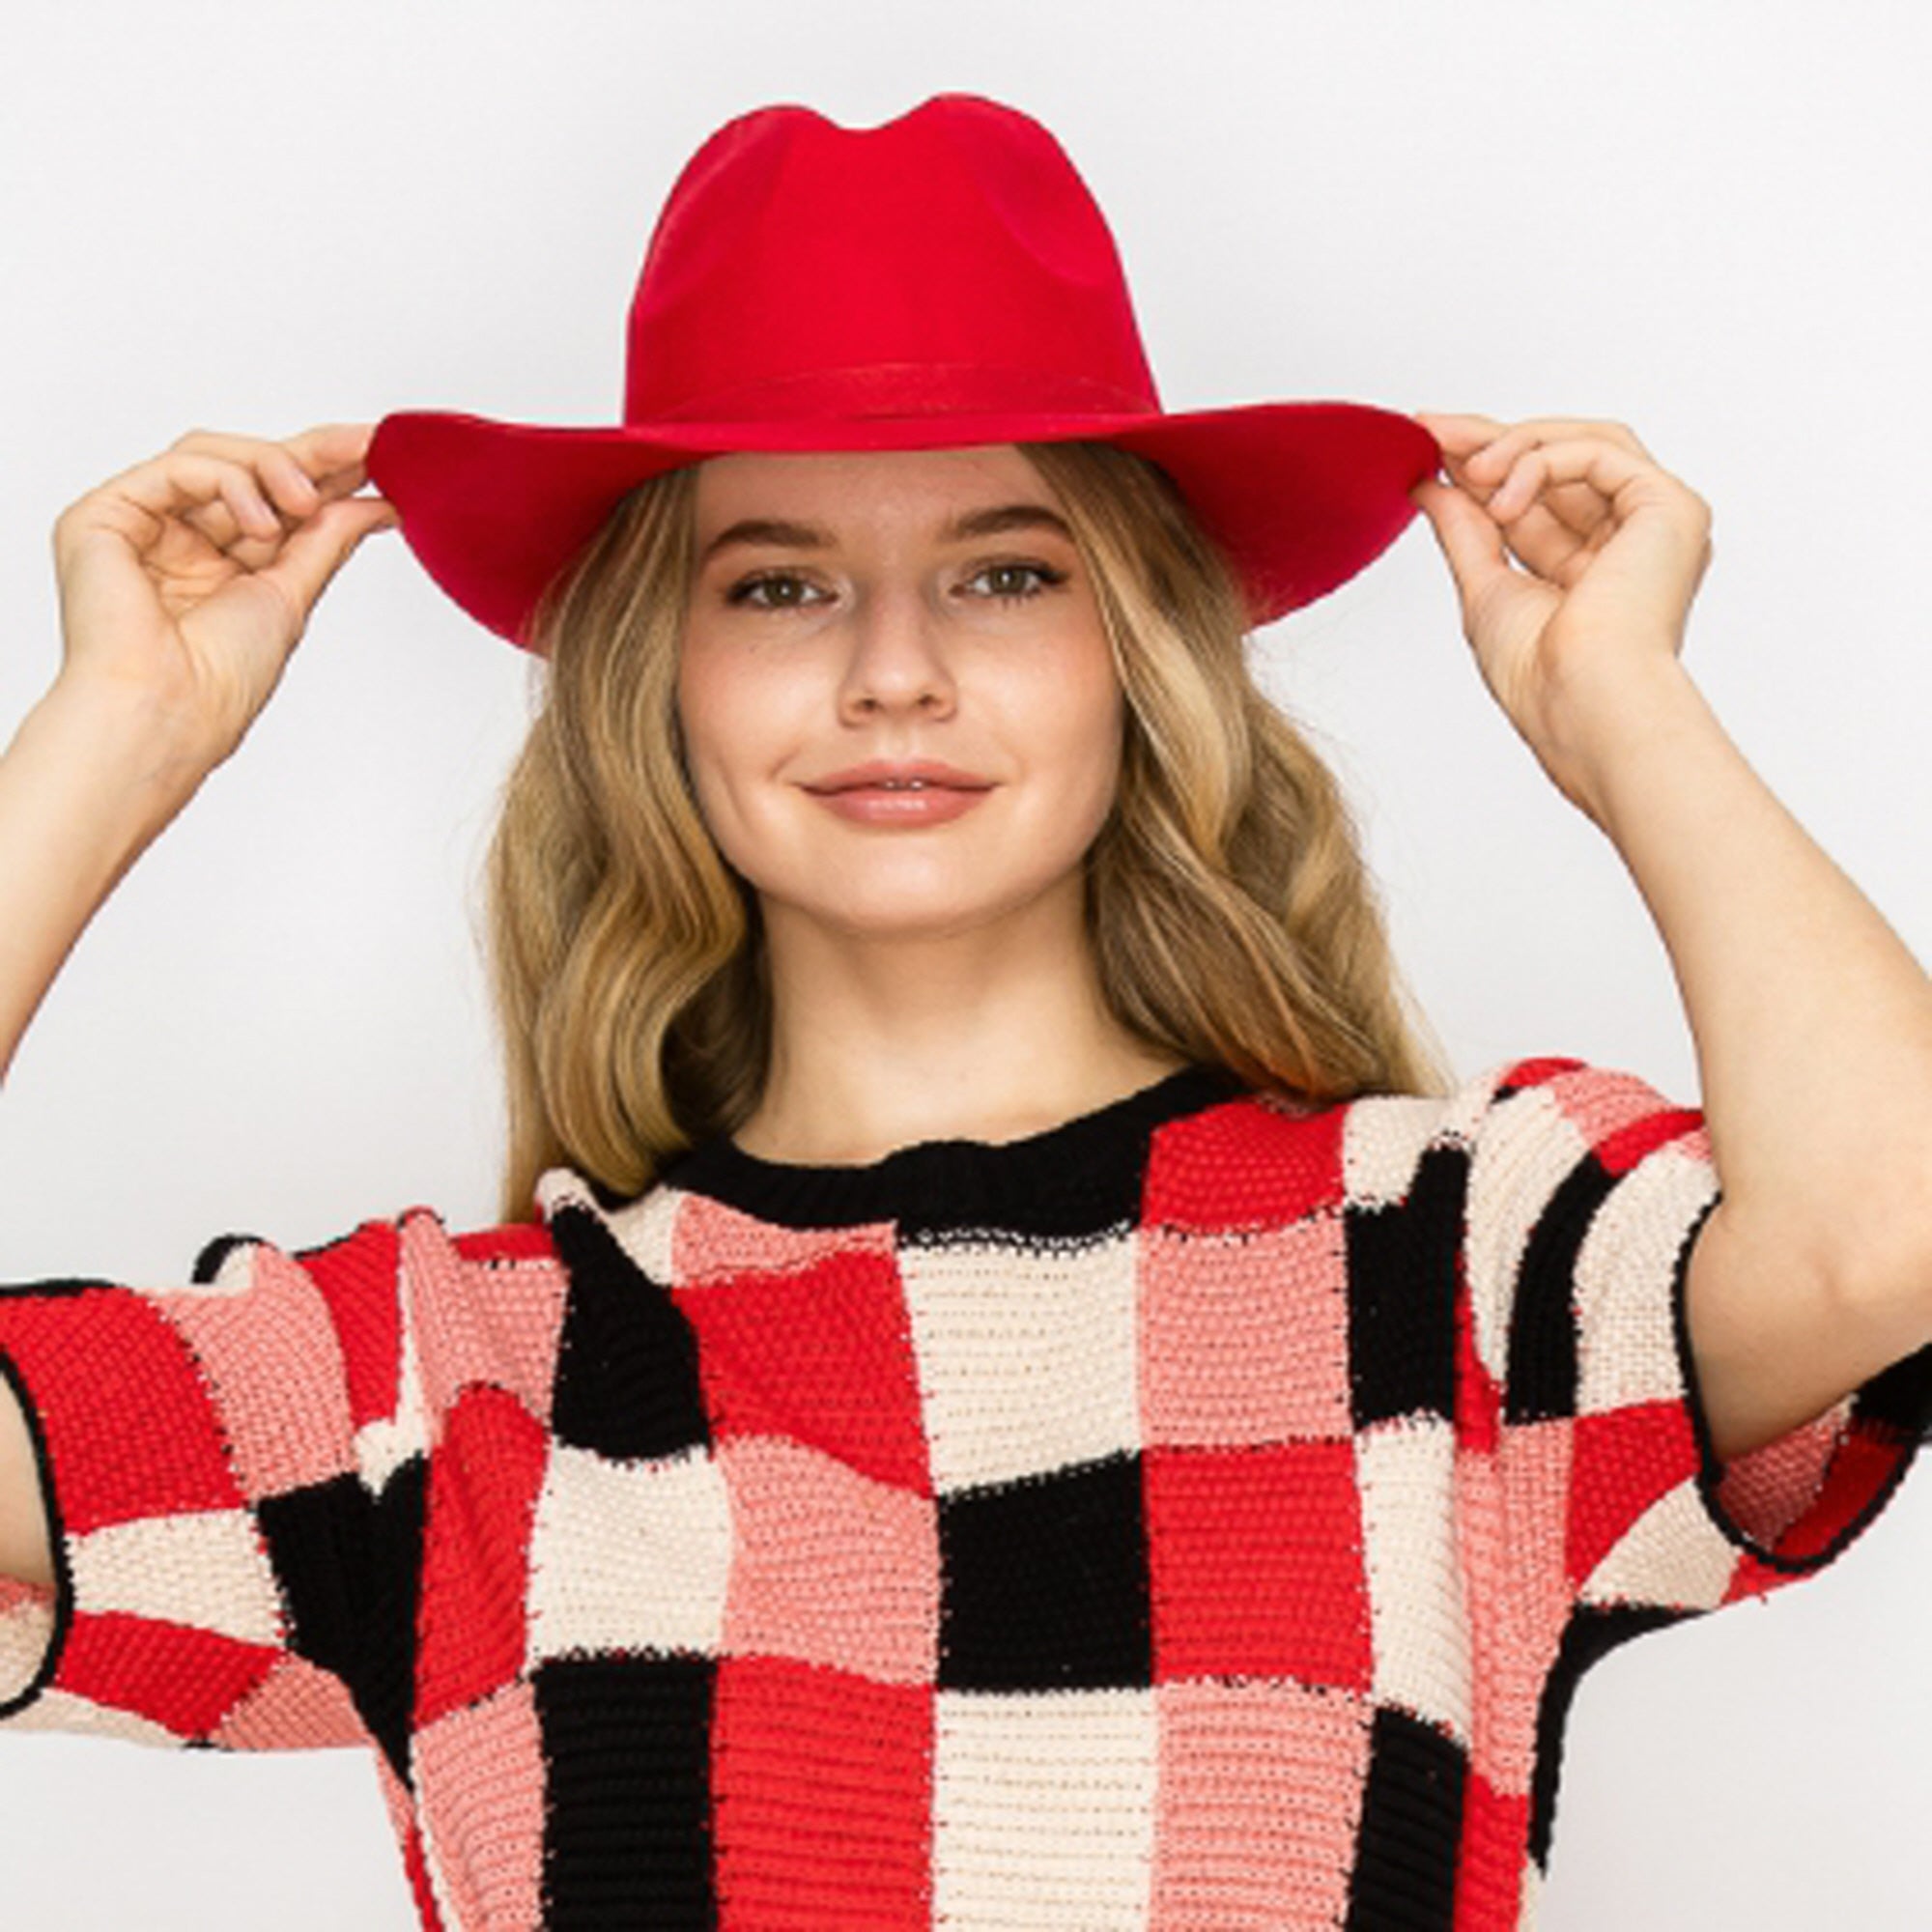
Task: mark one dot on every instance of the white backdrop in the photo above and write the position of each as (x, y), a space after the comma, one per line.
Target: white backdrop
(1707, 221)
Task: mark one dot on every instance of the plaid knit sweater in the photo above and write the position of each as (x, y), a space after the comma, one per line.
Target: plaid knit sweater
(1196, 1516)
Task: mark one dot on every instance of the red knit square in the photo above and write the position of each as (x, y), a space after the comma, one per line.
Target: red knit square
(358, 1279)
(484, 1477)
(796, 1745)
(1488, 1857)
(822, 1355)
(185, 1679)
(130, 1424)
(1622, 1460)
(1244, 1165)
(1255, 1558)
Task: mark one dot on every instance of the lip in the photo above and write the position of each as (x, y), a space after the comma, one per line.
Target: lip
(875, 805)
(933, 770)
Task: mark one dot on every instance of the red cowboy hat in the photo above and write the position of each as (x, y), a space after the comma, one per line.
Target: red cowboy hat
(943, 279)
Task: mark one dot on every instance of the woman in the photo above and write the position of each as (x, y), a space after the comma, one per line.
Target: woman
(1011, 1389)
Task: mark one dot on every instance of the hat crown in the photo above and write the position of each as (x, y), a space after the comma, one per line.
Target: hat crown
(951, 254)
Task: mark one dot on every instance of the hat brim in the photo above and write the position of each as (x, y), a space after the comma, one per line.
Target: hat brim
(1300, 495)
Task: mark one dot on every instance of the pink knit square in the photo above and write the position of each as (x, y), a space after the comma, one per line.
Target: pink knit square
(480, 1784)
(1246, 1339)
(480, 1322)
(270, 1356)
(1621, 1117)
(297, 1707)
(823, 1355)
(1256, 1564)
(830, 1567)
(711, 1243)
(1510, 1507)
(1260, 1796)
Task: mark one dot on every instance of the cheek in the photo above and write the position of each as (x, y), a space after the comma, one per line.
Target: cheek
(725, 725)
(1068, 725)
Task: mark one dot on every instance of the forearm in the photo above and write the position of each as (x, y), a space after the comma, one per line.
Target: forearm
(1813, 1020)
(88, 782)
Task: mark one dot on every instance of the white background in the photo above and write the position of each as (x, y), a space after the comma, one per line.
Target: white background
(1706, 220)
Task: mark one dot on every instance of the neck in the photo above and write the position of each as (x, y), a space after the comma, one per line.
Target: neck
(986, 1032)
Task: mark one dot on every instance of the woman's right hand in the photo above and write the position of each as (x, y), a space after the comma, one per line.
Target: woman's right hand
(187, 581)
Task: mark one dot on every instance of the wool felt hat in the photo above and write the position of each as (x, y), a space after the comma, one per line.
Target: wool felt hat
(942, 279)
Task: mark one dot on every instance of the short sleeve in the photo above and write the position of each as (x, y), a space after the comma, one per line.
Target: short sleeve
(1586, 1191)
(232, 1544)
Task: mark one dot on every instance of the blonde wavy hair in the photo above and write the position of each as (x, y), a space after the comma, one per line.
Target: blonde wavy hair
(1231, 912)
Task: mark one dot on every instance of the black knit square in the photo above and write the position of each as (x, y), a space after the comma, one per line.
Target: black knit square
(1401, 1295)
(1541, 1381)
(1412, 1827)
(1044, 1582)
(627, 1375)
(626, 1802)
(349, 1564)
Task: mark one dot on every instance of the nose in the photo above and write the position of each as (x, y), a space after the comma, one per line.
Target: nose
(898, 659)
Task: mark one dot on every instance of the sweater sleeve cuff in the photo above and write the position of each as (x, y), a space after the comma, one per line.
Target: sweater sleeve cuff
(1795, 1503)
(164, 1612)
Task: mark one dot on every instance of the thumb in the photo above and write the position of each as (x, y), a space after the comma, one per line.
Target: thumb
(314, 553)
(1470, 538)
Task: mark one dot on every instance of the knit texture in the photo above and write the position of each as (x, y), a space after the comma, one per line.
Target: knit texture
(1198, 1515)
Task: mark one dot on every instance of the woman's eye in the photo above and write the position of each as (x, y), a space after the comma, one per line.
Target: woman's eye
(745, 591)
(1044, 573)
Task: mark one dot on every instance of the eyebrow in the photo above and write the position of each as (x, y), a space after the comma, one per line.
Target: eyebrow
(991, 521)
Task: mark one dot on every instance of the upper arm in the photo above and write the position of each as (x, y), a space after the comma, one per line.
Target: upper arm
(25, 1555)
(1704, 1452)
(1775, 1338)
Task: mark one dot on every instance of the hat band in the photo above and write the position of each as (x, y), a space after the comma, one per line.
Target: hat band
(898, 390)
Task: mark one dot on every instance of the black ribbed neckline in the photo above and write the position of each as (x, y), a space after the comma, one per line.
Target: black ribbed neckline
(938, 1179)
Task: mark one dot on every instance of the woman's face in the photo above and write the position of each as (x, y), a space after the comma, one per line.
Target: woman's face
(848, 607)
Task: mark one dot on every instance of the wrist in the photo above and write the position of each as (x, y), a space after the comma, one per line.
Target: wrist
(1605, 727)
(123, 740)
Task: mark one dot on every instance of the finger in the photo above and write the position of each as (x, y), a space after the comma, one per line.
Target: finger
(328, 449)
(143, 499)
(1543, 542)
(314, 553)
(1470, 540)
(280, 473)
(1464, 438)
(1546, 545)
(299, 472)
(1564, 513)
(216, 522)
(253, 551)
(1459, 432)
(1616, 475)
(1495, 458)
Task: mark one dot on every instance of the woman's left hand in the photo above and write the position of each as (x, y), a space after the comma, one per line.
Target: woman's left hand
(1614, 548)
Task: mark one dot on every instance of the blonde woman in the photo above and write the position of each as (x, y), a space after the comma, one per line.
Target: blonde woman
(1012, 1386)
